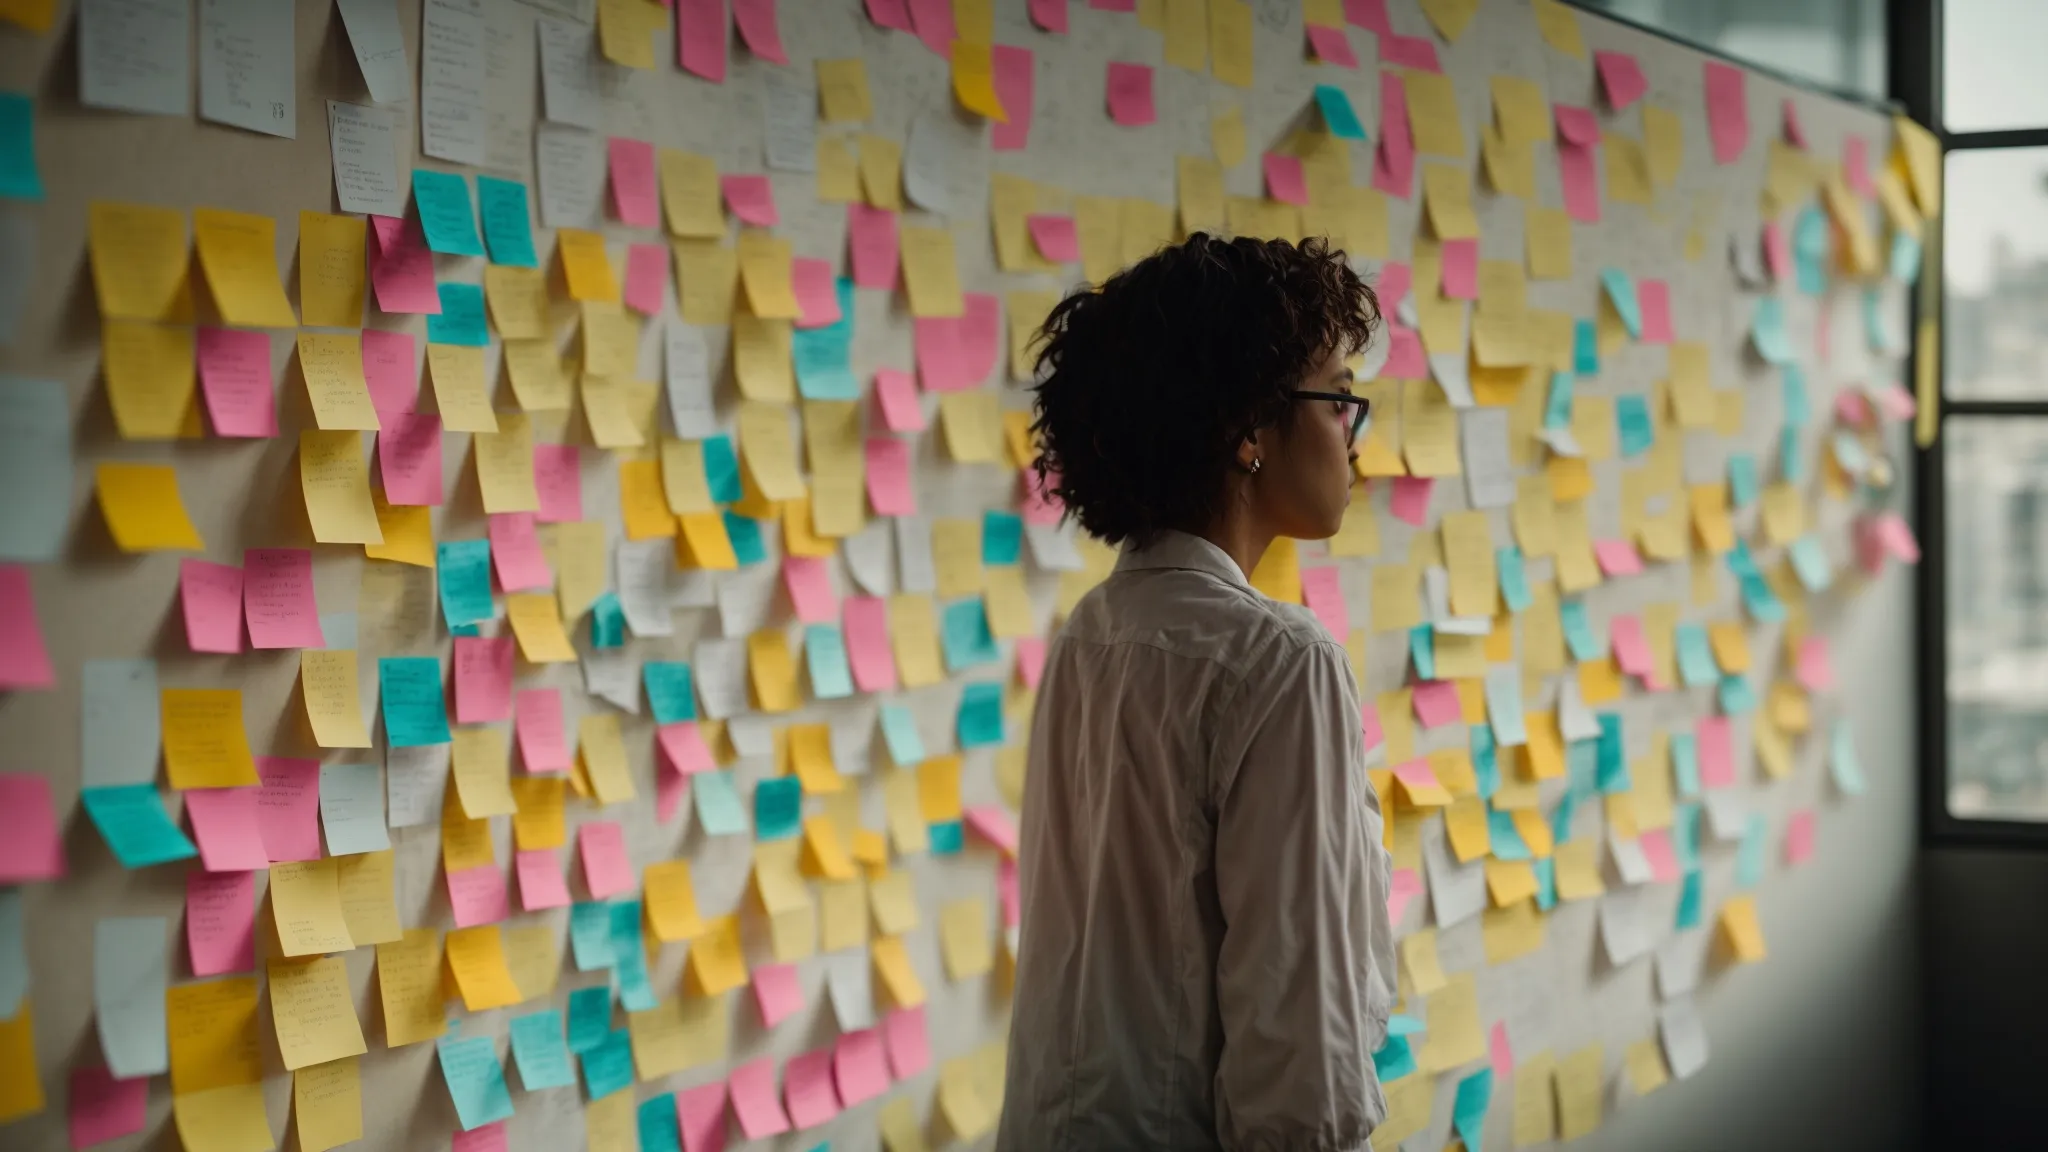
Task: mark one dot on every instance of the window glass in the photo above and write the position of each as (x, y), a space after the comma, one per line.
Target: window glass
(1837, 43)
(1995, 268)
(1991, 68)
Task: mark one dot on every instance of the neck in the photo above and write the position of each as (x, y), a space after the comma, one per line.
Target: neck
(1241, 537)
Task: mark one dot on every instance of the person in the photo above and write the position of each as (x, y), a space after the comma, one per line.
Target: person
(1205, 953)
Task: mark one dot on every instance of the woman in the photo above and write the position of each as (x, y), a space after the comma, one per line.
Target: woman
(1206, 960)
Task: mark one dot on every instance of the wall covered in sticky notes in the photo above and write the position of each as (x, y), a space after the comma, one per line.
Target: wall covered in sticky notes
(523, 600)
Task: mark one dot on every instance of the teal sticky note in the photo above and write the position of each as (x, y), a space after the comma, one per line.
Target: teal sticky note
(629, 958)
(1400, 1025)
(722, 469)
(1338, 114)
(1767, 331)
(1749, 859)
(1468, 1110)
(608, 1067)
(445, 214)
(538, 1050)
(590, 1017)
(1905, 258)
(778, 808)
(1690, 897)
(1561, 817)
(745, 534)
(1810, 562)
(1632, 425)
(1792, 395)
(476, 1081)
(1740, 561)
(1578, 633)
(965, 635)
(464, 570)
(1002, 537)
(1514, 579)
(1810, 250)
(1736, 696)
(1546, 883)
(508, 223)
(1422, 651)
(20, 177)
(1760, 602)
(1394, 1060)
(947, 837)
(670, 692)
(138, 831)
(1685, 763)
(590, 937)
(13, 951)
(1791, 465)
(415, 709)
(660, 1127)
(981, 715)
(607, 621)
(1843, 763)
(899, 731)
(825, 656)
(1557, 403)
(1612, 759)
(1621, 292)
(824, 355)
(1585, 348)
(462, 317)
(1582, 765)
(470, 630)
(1485, 760)
(1695, 657)
(718, 806)
(1742, 482)
(1685, 835)
(1507, 839)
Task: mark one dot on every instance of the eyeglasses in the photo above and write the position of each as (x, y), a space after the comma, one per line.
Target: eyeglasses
(1361, 408)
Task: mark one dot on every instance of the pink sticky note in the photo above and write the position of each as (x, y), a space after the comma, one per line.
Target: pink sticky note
(753, 1099)
(909, 1044)
(1416, 775)
(516, 552)
(1717, 765)
(1370, 15)
(932, 21)
(390, 371)
(234, 372)
(871, 246)
(1369, 724)
(809, 581)
(1499, 1053)
(1579, 175)
(401, 267)
(633, 189)
(670, 790)
(817, 300)
(1130, 94)
(1284, 180)
(224, 825)
(1331, 45)
(1042, 504)
(1461, 269)
(758, 27)
(1799, 837)
(700, 1111)
(1114, 5)
(1856, 166)
(993, 824)
(867, 643)
(1896, 402)
(478, 896)
(24, 657)
(1436, 703)
(751, 198)
(646, 277)
(211, 595)
(1897, 538)
(1617, 557)
(483, 1138)
(1410, 500)
(1727, 110)
(1393, 162)
(1656, 846)
(483, 678)
(1795, 135)
(543, 739)
(1631, 650)
(541, 884)
(1014, 84)
(607, 871)
(1577, 125)
(1816, 671)
(896, 392)
(1325, 597)
(288, 808)
(682, 743)
(1404, 887)
(1409, 52)
(1623, 79)
(103, 1108)
(860, 1067)
(220, 919)
(1031, 660)
(1008, 893)
(30, 848)
(1777, 251)
(1050, 16)
(701, 34)
(1852, 408)
(277, 598)
(776, 992)
(888, 477)
(889, 14)
(1394, 280)
(558, 475)
(1405, 360)
(409, 457)
(957, 353)
(807, 1089)
(1654, 298)
(1055, 237)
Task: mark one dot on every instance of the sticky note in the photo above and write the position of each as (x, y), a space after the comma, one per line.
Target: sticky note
(143, 510)
(137, 830)
(130, 967)
(313, 1011)
(103, 1108)
(327, 1104)
(1130, 94)
(414, 710)
(30, 849)
(445, 213)
(213, 1038)
(238, 253)
(475, 1079)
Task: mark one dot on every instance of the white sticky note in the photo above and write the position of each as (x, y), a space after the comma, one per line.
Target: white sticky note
(945, 163)
(136, 55)
(569, 73)
(1457, 891)
(687, 373)
(569, 167)
(380, 48)
(789, 114)
(416, 779)
(1504, 704)
(352, 808)
(1680, 960)
(1727, 813)
(1629, 860)
(363, 142)
(338, 631)
(1685, 1037)
(1489, 473)
(1575, 721)
(611, 675)
(745, 597)
(130, 967)
(247, 63)
(120, 730)
(720, 669)
(869, 555)
(17, 268)
(849, 982)
(914, 569)
(1052, 547)
(644, 593)
(1625, 924)
(453, 122)
(751, 735)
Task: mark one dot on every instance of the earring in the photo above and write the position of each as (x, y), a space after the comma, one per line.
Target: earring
(1255, 465)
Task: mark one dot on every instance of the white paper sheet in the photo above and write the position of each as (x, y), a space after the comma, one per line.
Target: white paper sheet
(453, 121)
(247, 65)
(364, 143)
(120, 730)
(379, 45)
(569, 165)
(136, 55)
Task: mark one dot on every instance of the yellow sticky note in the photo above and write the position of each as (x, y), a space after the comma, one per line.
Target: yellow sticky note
(477, 958)
(843, 90)
(331, 270)
(1433, 114)
(213, 1038)
(409, 983)
(1578, 870)
(1522, 109)
(238, 253)
(1644, 1062)
(335, 480)
(539, 822)
(1230, 41)
(1465, 822)
(914, 638)
(899, 977)
(1919, 153)
(1549, 236)
(683, 482)
(1429, 430)
(1628, 169)
(576, 552)
(643, 503)
(504, 465)
(480, 761)
(838, 171)
(334, 705)
(974, 80)
(931, 275)
(314, 1012)
(327, 1104)
(765, 273)
(1580, 1077)
(537, 622)
(366, 885)
(1535, 1105)
(964, 938)
(769, 452)
(603, 754)
(1449, 192)
(717, 964)
(518, 300)
(1098, 223)
(1008, 603)
(152, 383)
(704, 542)
(1469, 554)
(535, 369)
(611, 1125)
(585, 267)
(140, 260)
(881, 171)
(1510, 164)
(1395, 605)
(843, 915)
(1450, 17)
(332, 366)
(678, 1033)
(465, 842)
(607, 409)
(1664, 143)
(810, 753)
(938, 789)
(823, 854)
(534, 959)
(1144, 227)
(205, 745)
(1026, 311)
(460, 391)
(893, 899)
(972, 424)
(1513, 930)
(707, 278)
(956, 556)
(689, 194)
(1278, 572)
(305, 898)
(671, 900)
(408, 533)
(1454, 1035)
(624, 28)
(1559, 26)
(773, 671)
(1419, 957)
(231, 1119)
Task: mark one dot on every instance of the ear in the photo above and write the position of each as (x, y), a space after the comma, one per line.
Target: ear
(1248, 451)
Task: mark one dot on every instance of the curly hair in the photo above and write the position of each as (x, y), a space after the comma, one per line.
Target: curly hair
(1148, 384)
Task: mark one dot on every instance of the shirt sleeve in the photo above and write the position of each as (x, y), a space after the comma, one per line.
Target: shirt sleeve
(1294, 839)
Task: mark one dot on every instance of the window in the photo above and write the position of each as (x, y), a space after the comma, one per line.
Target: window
(1834, 43)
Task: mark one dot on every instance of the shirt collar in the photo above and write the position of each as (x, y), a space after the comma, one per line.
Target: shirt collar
(1170, 549)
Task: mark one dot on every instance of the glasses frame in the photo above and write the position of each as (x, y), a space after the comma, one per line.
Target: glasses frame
(1358, 422)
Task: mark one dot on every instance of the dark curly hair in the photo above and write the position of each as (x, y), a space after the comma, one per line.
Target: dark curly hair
(1148, 384)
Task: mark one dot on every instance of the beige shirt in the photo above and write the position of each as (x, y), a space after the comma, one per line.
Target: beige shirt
(1206, 958)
